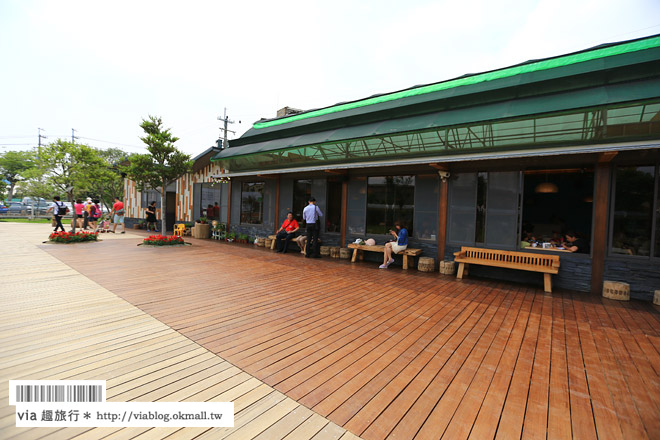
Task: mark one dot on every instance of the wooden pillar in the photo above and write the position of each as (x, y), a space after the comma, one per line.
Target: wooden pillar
(601, 211)
(442, 218)
(228, 206)
(344, 211)
(277, 204)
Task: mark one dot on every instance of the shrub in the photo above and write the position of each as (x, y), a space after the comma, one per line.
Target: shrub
(68, 237)
(163, 240)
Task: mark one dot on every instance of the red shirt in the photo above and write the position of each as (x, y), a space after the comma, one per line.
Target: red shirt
(117, 206)
(289, 226)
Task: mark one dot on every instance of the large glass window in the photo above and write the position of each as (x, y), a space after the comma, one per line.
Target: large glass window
(302, 192)
(390, 199)
(208, 200)
(557, 201)
(150, 195)
(484, 209)
(252, 202)
(632, 223)
(333, 216)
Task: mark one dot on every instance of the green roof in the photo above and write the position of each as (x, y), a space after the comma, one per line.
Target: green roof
(610, 76)
(528, 67)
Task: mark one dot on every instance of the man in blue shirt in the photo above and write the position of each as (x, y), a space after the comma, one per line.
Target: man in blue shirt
(311, 215)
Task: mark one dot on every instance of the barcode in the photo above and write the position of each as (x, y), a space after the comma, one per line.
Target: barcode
(56, 391)
(59, 393)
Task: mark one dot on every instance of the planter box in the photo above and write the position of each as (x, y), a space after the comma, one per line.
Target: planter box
(201, 230)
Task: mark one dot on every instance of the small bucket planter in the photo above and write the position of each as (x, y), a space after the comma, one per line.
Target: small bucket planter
(163, 240)
(68, 237)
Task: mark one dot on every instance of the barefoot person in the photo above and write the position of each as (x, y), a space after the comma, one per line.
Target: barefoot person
(401, 243)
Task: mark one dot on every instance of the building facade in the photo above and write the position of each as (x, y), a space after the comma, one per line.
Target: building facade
(497, 160)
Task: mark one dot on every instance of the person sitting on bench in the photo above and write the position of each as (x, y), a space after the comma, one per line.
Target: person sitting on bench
(395, 247)
(286, 232)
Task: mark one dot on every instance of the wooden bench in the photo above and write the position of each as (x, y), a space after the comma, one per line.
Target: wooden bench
(274, 237)
(546, 264)
(377, 248)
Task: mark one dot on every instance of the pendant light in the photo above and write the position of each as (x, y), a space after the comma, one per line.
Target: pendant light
(546, 187)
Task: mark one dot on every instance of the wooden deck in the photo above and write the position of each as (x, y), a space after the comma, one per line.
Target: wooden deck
(384, 353)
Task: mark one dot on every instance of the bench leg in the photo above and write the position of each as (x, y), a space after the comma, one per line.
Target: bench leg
(405, 261)
(354, 256)
(547, 282)
(461, 268)
(272, 244)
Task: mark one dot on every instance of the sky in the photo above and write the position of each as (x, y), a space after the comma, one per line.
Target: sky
(102, 67)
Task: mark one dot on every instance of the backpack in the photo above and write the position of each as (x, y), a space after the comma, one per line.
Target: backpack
(62, 209)
(93, 211)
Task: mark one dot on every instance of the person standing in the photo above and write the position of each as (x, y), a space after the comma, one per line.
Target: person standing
(79, 208)
(117, 215)
(286, 232)
(86, 212)
(311, 214)
(94, 213)
(151, 217)
(59, 210)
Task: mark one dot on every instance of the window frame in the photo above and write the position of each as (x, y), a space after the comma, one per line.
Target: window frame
(410, 226)
(263, 189)
(655, 217)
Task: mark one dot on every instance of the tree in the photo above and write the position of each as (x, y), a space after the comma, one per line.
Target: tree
(67, 167)
(106, 180)
(14, 165)
(163, 165)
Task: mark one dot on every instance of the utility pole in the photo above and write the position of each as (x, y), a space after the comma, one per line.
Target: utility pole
(41, 136)
(73, 138)
(226, 120)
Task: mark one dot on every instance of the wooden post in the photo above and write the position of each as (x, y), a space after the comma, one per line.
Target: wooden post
(442, 218)
(601, 211)
(344, 210)
(228, 207)
(277, 204)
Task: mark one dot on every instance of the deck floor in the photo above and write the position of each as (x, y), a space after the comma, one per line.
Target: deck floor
(398, 354)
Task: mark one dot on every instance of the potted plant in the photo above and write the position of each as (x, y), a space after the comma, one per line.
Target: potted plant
(242, 238)
(230, 236)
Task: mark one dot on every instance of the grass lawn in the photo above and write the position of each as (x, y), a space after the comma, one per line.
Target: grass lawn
(25, 220)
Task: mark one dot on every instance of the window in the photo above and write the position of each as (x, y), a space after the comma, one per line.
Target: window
(390, 199)
(150, 195)
(557, 201)
(208, 200)
(333, 216)
(484, 209)
(302, 192)
(633, 216)
(252, 203)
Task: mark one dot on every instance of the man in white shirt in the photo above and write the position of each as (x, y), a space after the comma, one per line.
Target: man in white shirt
(311, 215)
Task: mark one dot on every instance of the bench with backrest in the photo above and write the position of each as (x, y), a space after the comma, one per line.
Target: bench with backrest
(546, 264)
(408, 252)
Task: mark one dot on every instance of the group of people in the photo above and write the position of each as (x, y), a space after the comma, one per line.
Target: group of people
(309, 243)
(88, 213)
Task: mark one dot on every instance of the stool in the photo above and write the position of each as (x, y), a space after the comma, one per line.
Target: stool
(656, 298)
(345, 253)
(269, 242)
(334, 251)
(447, 267)
(325, 250)
(261, 242)
(616, 290)
(426, 264)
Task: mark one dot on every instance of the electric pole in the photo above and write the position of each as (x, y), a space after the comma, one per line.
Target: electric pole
(41, 136)
(226, 120)
(73, 138)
